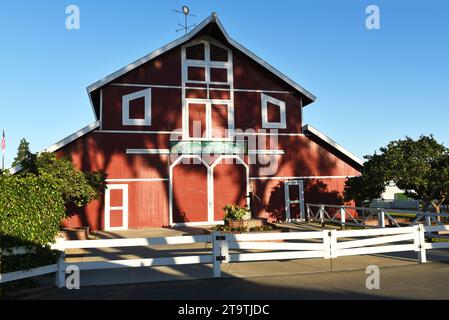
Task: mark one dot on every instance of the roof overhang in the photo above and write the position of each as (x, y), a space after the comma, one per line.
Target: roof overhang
(213, 18)
(61, 143)
(309, 130)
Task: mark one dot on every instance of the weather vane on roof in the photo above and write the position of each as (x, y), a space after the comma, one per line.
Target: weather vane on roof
(186, 12)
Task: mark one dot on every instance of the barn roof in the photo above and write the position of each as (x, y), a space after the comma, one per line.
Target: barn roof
(321, 138)
(208, 25)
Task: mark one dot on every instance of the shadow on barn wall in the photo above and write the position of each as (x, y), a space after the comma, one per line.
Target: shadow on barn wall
(315, 191)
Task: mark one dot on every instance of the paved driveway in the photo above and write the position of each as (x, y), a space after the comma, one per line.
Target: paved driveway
(424, 281)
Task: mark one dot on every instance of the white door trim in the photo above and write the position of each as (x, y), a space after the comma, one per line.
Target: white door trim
(123, 208)
(300, 200)
(216, 162)
(210, 187)
(170, 187)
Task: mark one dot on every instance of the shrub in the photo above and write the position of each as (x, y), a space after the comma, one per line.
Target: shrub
(31, 210)
(33, 204)
(235, 212)
(76, 187)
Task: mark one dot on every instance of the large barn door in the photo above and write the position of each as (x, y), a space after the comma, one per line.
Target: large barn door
(230, 183)
(189, 187)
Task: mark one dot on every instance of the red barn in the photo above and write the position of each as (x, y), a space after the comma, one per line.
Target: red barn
(197, 124)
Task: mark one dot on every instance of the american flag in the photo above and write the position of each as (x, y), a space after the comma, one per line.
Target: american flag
(3, 141)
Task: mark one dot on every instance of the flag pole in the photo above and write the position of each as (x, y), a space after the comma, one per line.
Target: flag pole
(3, 146)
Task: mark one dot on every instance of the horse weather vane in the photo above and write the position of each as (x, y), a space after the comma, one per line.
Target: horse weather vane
(186, 12)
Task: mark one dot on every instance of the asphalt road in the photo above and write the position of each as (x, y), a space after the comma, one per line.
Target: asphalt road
(425, 281)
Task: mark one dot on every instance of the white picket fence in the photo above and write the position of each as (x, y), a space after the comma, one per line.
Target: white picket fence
(227, 248)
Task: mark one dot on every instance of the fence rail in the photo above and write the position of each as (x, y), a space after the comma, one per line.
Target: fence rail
(228, 248)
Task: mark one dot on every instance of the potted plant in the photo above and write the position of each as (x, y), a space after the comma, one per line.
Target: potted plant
(240, 217)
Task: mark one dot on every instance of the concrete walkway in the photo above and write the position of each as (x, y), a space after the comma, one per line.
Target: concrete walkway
(424, 281)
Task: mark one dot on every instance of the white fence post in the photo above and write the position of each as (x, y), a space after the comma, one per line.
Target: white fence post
(327, 244)
(224, 247)
(216, 251)
(421, 244)
(381, 217)
(322, 215)
(60, 273)
(342, 217)
(333, 244)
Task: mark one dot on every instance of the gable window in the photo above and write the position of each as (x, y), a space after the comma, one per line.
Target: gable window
(205, 62)
(273, 112)
(136, 108)
(195, 52)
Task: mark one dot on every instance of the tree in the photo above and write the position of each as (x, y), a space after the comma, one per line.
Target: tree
(22, 152)
(76, 187)
(419, 167)
(371, 183)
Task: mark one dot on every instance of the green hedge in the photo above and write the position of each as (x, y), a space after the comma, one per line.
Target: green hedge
(30, 214)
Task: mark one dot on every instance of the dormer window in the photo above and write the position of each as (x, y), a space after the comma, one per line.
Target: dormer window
(136, 108)
(273, 112)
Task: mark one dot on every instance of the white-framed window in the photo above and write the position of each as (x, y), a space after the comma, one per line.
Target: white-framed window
(268, 102)
(207, 62)
(143, 118)
(209, 120)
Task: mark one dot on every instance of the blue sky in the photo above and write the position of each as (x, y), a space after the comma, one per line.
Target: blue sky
(372, 86)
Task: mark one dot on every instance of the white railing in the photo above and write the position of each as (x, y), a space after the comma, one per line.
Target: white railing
(361, 216)
(228, 248)
(63, 245)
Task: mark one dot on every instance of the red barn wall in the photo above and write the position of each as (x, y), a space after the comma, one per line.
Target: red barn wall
(105, 148)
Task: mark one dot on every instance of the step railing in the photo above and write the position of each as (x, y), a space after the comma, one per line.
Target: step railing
(361, 216)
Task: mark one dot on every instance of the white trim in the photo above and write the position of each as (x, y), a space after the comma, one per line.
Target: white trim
(170, 186)
(127, 98)
(303, 177)
(267, 134)
(180, 132)
(142, 85)
(136, 179)
(208, 130)
(212, 18)
(101, 109)
(331, 142)
(138, 131)
(216, 162)
(200, 88)
(272, 152)
(282, 124)
(73, 136)
(108, 208)
(289, 202)
(148, 151)
(207, 64)
(210, 187)
(193, 224)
